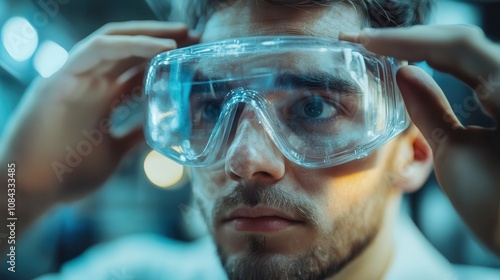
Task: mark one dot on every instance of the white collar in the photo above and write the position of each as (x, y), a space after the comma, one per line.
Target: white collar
(414, 257)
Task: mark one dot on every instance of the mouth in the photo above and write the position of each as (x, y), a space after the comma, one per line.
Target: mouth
(260, 219)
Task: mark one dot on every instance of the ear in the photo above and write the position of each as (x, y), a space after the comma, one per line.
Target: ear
(414, 161)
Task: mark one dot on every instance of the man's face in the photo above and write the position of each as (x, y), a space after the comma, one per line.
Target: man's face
(273, 219)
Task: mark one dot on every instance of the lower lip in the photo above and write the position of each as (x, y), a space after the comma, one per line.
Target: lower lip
(261, 224)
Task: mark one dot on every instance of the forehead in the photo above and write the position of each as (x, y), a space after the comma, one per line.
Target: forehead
(259, 18)
(296, 61)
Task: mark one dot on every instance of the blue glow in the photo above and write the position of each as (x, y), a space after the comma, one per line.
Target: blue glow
(19, 38)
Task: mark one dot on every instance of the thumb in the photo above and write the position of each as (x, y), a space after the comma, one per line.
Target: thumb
(427, 105)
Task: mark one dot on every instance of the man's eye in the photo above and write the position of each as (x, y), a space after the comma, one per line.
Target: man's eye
(211, 110)
(314, 107)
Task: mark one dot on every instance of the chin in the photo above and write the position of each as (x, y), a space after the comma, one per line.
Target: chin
(309, 255)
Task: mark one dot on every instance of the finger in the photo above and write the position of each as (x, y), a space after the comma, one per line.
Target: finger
(129, 90)
(427, 105)
(403, 43)
(160, 29)
(192, 38)
(113, 71)
(122, 67)
(459, 50)
(110, 49)
(488, 93)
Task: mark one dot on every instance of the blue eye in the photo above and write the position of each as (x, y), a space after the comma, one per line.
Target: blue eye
(314, 107)
(211, 110)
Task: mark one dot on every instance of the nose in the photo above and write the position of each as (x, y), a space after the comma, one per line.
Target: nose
(251, 154)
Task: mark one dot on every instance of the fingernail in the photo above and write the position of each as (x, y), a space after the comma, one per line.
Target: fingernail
(195, 33)
(366, 35)
(370, 31)
(168, 42)
(349, 36)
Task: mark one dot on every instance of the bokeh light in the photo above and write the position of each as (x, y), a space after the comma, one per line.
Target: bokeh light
(49, 58)
(19, 38)
(162, 171)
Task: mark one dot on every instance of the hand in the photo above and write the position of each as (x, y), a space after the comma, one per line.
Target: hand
(466, 159)
(59, 136)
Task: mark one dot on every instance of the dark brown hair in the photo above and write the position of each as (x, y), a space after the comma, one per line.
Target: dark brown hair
(379, 13)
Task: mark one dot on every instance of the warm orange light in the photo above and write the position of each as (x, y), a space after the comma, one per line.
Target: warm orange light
(162, 171)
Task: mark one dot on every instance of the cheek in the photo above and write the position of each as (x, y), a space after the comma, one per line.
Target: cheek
(206, 190)
(208, 185)
(208, 179)
(344, 189)
(347, 193)
(351, 206)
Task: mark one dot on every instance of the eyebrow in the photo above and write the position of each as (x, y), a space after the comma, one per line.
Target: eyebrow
(335, 81)
(339, 82)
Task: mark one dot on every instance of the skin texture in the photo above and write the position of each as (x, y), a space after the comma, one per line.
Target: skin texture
(466, 159)
(341, 209)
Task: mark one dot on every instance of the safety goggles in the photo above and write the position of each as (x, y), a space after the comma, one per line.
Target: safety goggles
(322, 102)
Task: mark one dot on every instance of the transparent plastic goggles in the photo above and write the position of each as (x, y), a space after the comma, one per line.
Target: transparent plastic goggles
(322, 102)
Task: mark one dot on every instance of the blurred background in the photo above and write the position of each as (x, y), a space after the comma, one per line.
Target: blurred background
(152, 195)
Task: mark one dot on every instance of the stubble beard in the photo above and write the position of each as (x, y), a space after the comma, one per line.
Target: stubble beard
(334, 248)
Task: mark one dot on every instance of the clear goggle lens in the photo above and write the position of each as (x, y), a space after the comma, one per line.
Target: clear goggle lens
(322, 102)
